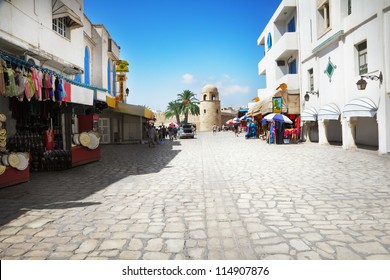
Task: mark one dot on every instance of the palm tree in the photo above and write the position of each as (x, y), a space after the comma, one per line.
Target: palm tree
(189, 104)
(173, 110)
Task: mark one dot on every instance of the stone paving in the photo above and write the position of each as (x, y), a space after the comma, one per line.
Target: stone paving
(213, 197)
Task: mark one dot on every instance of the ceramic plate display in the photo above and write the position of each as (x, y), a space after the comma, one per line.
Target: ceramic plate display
(94, 143)
(23, 162)
(76, 140)
(3, 132)
(4, 160)
(2, 169)
(84, 139)
(3, 118)
(13, 160)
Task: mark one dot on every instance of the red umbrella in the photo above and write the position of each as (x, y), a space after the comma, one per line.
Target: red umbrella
(230, 121)
(173, 124)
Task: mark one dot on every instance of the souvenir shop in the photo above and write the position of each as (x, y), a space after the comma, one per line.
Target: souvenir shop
(47, 121)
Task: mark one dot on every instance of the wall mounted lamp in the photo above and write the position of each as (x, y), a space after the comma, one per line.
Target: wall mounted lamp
(361, 84)
(127, 92)
(307, 96)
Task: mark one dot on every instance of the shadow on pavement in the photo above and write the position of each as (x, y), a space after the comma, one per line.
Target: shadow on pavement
(64, 189)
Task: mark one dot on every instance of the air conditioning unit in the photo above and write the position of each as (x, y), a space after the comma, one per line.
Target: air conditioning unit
(32, 60)
(280, 62)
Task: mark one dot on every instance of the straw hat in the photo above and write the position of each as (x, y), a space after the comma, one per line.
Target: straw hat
(94, 143)
(85, 139)
(13, 160)
(3, 118)
(2, 169)
(23, 161)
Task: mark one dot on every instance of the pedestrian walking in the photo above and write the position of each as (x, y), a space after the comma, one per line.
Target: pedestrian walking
(236, 126)
(152, 135)
(214, 128)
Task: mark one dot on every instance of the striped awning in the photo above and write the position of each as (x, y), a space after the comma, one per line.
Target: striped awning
(309, 115)
(329, 112)
(360, 107)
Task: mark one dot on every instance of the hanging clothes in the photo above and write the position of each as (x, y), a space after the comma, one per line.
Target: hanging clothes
(31, 85)
(47, 87)
(2, 82)
(67, 90)
(20, 81)
(51, 90)
(10, 85)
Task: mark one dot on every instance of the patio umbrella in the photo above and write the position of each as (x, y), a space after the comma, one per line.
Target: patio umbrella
(277, 117)
(173, 124)
(230, 121)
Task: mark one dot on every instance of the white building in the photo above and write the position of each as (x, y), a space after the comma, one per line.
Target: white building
(280, 63)
(338, 42)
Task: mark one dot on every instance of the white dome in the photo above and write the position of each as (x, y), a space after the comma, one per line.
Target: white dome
(209, 89)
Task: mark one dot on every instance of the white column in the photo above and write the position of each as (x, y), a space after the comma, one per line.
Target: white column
(349, 133)
(323, 132)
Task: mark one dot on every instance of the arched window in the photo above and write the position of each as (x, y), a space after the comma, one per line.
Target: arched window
(86, 66)
(109, 76)
(205, 97)
(213, 97)
(204, 111)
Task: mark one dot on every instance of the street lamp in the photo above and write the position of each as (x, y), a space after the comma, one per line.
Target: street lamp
(361, 84)
(307, 96)
(127, 92)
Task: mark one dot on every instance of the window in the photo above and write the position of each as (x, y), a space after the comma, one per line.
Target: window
(323, 18)
(292, 67)
(213, 97)
(204, 97)
(59, 26)
(291, 25)
(349, 7)
(362, 57)
(269, 41)
(311, 79)
(216, 111)
(204, 111)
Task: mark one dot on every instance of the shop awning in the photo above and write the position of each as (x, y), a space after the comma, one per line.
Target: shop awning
(254, 110)
(60, 10)
(361, 107)
(267, 106)
(129, 109)
(148, 113)
(309, 115)
(82, 95)
(102, 95)
(329, 112)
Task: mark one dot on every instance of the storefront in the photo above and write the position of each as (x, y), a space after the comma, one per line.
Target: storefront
(48, 121)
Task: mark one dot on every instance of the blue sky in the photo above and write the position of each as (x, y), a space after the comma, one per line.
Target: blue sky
(175, 45)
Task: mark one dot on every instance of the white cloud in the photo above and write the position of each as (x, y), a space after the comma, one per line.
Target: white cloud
(187, 79)
(234, 89)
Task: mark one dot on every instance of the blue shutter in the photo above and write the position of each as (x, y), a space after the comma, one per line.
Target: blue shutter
(78, 78)
(109, 76)
(291, 25)
(292, 67)
(86, 66)
(269, 41)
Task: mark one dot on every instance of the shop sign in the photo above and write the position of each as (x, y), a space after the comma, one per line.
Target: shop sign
(122, 66)
(121, 78)
(277, 104)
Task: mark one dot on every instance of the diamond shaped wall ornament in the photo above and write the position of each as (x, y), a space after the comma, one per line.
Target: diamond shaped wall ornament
(330, 69)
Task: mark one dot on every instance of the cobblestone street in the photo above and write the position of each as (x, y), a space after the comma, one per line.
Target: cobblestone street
(212, 197)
